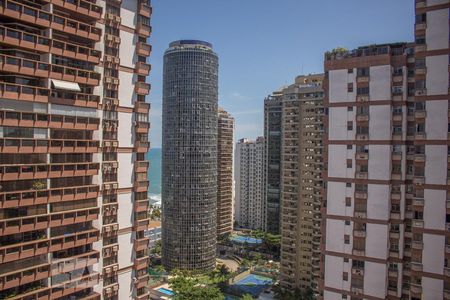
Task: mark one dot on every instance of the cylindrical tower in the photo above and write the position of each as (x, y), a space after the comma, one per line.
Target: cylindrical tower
(189, 156)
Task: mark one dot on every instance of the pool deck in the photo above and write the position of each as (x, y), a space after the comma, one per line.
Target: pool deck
(155, 294)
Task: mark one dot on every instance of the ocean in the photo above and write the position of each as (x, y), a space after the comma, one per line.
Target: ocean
(154, 175)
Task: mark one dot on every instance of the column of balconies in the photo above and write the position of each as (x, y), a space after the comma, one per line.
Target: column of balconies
(142, 125)
(110, 165)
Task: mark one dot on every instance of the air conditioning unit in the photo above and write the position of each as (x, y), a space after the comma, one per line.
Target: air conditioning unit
(115, 248)
(109, 17)
(115, 185)
(107, 144)
(117, 39)
(109, 168)
(107, 251)
(116, 60)
(115, 144)
(115, 227)
(109, 37)
(115, 81)
(117, 19)
(107, 186)
(108, 79)
(115, 164)
(115, 268)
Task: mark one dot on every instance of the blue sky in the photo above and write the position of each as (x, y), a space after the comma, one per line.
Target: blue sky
(264, 44)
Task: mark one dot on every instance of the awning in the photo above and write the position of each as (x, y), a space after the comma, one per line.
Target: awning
(66, 85)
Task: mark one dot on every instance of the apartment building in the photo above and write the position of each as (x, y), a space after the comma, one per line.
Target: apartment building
(189, 155)
(371, 129)
(225, 131)
(249, 183)
(301, 183)
(73, 125)
(272, 161)
(430, 224)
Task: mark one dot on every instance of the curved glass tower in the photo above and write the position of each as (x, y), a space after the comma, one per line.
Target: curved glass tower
(189, 156)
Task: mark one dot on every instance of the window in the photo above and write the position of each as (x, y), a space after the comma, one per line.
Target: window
(398, 71)
(346, 259)
(349, 125)
(349, 108)
(346, 239)
(350, 71)
(362, 72)
(350, 87)
(345, 276)
(349, 147)
(421, 18)
(420, 40)
(362, 91)
(348, 202)
(348, 184)
(347, 222)
(397, 110)
(349, 163)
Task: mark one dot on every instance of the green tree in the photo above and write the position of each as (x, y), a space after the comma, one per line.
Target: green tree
(157, 248)
(187, 286)
(247, 297)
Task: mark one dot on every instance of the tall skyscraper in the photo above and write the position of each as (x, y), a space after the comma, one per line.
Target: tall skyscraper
(272, 161)
(301, 183)
(73, 178)
(189, 155)
(249, 181)
(225, 173)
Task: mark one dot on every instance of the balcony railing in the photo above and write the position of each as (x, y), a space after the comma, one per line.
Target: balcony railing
(145, 9)
(143, 68)
(30, 67)
(142, 127)
(35, 197)
(25, 224)
(44, 44)
(81, 7)
(143, 49)
(143, 29)
(39, 17)
(24, 145)
(23, 92)
(37, 171)
(141, 146)
(31, 119)
(74, 262)
(142, 88)
(24, 276)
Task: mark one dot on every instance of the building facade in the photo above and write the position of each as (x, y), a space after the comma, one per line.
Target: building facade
(301, 183)
(272, 163)
(189, 155)
(73, 179)
(249, 183)
(225, 173)
(369, 182)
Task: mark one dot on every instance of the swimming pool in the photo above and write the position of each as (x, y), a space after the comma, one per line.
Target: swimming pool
(165, 291)
(252, 284)
(245, 239)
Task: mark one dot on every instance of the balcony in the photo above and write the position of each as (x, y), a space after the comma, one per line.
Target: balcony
(142, 88)
(140, 146)
(361, 194)
(38, 171)
(110, 229)
(143, 30)
(362, 136)
(34, 42)
(141, 225)
(141, 280)
(418, 179)
(145, 9)
(141, 243)
(143, 49)
(72, 263)
(362, 156)
(420, 48)
(75, 99)
(359, 233)
(420, 91)
(362, 117)
(23, 92)
(30, 119)
(39, 17)
(143, 68)
(110, 250)
(415, 288)
(141, 186)
(359, 252)
(112, 20)
(24, 276)
(22, 145)
(141, 263)
(85, 8)
(141, 166)
(29, 67)
(417, 245)
(418, 201)
(76, 285)
(361, 175)
(24, 224)
(36, 197)
(419, 158)
(420, 114)
(141, 107)
(140, 206)
(417, 267)
(142, 127)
